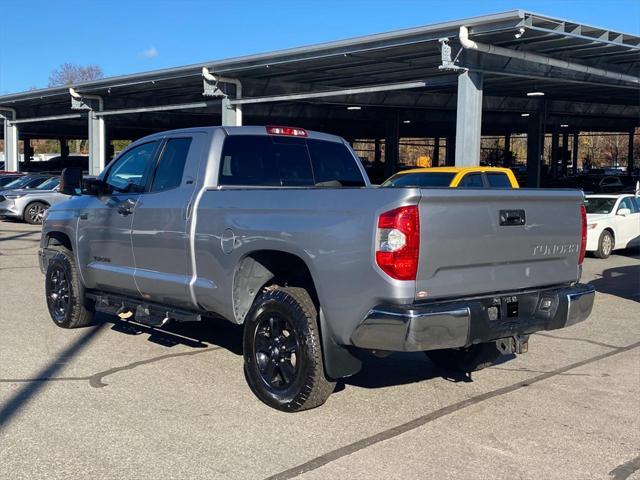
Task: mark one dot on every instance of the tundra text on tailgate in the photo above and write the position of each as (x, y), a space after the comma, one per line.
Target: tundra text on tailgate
(278, 229)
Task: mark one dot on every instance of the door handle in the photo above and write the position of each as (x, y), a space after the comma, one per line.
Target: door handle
(126, 207)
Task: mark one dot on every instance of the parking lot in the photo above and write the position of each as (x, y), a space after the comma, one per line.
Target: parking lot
(123, 401)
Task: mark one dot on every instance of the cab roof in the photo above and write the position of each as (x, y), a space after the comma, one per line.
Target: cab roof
(453, 170)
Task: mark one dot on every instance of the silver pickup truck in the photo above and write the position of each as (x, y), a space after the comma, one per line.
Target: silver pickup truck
(279, 229)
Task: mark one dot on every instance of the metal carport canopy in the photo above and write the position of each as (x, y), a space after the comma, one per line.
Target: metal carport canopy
(409, 55)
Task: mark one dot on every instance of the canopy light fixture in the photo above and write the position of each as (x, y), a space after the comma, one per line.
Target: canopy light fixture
(564, 125)
(535, 94)
(525, 114)
(354, 108)
(406, 121)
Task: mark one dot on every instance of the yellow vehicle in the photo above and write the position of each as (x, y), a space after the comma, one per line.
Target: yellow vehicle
(454, 177)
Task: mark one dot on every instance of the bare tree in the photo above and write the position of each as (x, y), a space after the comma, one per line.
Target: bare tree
(68, 74)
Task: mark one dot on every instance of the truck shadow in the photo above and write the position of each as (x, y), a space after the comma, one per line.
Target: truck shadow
(397, 369)
(623, 282)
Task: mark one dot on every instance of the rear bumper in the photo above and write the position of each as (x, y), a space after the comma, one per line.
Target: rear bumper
(463, 322)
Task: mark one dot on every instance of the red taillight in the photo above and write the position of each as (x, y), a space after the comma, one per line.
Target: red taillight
(398, 242)
(287, 131)
(583, 245)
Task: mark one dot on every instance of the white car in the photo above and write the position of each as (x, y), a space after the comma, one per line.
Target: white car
(613, 222)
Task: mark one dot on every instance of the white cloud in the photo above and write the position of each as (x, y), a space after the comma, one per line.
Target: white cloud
(150, 52)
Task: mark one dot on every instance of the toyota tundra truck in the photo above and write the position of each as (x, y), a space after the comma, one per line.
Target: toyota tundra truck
(280, 230)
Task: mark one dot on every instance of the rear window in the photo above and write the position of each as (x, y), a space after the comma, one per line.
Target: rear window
(498, 180)
(599, 204)
(432, 179)
(261, 160)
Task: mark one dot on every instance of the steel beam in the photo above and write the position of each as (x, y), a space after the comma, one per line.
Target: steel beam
(469, 119)
(331, 93)
(160, 108)
(11, 162)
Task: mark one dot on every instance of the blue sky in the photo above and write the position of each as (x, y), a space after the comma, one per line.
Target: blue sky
(136, 35)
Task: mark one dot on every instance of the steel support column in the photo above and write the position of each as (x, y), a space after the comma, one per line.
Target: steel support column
(469, 119)
(574, 152)
(64, 147)
(535, 138)
(449, 152)
(10, 140)
(435, 161)
(392, 145)
(555, 142)
(97, 147)
(565, 153)
(27, 152)
(231, 114)
(507, 150)
(630, 159)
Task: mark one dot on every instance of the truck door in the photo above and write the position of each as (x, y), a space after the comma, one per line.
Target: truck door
(160, 236)
(105, 255)
(629, 225)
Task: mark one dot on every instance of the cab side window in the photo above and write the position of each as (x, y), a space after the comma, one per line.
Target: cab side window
(471, 180)
(171, 166)
(130, 172)
(630, 204)
(498, 180)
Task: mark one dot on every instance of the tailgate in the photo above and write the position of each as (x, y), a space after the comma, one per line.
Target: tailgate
(466, 248)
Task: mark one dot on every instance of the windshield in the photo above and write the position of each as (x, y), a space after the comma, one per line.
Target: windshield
(23, 182)
(49, 184)
(599, 204)
(422, 179)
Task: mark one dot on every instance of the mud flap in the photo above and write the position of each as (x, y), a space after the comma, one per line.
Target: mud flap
(339, 362)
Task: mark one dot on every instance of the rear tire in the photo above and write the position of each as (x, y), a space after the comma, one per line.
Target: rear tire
(34, 213)
(282, 351)
(465, 360)
(67, 304)
(605, 245)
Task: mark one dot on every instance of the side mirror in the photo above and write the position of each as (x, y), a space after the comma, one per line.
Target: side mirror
(94, 186)
(71, 181)
(624, 212)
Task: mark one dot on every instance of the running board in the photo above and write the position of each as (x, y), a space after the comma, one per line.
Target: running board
(151, 314)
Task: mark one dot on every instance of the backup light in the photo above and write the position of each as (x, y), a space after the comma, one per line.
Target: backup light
(287, 131)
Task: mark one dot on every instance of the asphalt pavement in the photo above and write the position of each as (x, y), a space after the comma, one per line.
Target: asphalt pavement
(118, 401)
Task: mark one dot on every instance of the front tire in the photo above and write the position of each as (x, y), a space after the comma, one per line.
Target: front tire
(465, 360)
(605, 245)
(282, 351)
(66, 301)
(34, 213)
